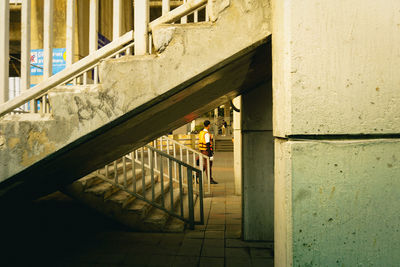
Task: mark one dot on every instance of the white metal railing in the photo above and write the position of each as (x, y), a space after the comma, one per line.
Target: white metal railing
(187, 155)
(177, 151)
(155, 184)
(84, 71)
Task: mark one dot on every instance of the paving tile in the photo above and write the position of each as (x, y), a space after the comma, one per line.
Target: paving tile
(216, 221)
(237, 262)
(185, 261)
(214, 234)
(237, 243)
(200, 227)
(216, 227)
(213, 251)
(233, 231)
(189, 251)
(194, 234)
(237, 253)
(137, 259)
(161, 260)
(211, 262)
(261, 253)
(214, 243)
(171, 250)
(259, 262)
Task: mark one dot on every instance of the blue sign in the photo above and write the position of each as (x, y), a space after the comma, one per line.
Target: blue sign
(59, 61)
(101, 40)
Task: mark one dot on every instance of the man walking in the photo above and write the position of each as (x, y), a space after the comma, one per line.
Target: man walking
(206, 148)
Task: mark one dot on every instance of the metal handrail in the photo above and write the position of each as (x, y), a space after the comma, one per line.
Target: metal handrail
(130, 186)
(165, 141)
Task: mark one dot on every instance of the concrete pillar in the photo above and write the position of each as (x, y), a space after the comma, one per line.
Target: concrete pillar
(336, 118)
(215, 123)
(257, 164)
(237, 146)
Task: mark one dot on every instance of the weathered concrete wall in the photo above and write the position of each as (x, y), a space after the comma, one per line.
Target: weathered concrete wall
(257, 164)
(336, 62)
(335, 80)
(135, 84)
(340, 203)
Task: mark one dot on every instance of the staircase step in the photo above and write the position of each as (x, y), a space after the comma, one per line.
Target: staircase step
(142, 207)
(120, 169)
(123, 198)
(175, 225)
(107, 189)
(157, 218)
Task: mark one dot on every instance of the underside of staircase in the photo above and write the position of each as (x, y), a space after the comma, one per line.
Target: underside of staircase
(196, 68)
(127, 209)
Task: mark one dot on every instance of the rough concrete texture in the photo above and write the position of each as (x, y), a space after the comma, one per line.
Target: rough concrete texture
(31, 137)
(336, 67)
(337, 203)
(134, 84)
(258, 164)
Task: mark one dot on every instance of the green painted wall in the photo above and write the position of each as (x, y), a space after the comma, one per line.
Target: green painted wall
(344, 205)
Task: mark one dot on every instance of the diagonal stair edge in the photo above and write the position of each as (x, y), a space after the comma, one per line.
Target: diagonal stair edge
(14, 183)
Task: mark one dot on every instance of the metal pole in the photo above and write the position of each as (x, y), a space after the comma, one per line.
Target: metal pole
(143, 176)
(151, 159)
(117, 19)
(184, 19)
(181, 191)
(171, 188)
(190, 198)
(47, 46)
(25, 45)
(133, 171)
(162, 182)
(4, 49)
(70, 42)
(201, 198)
(141, 22)
(165, 7)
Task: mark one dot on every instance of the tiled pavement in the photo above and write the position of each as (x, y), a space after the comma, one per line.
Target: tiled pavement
(60, 232)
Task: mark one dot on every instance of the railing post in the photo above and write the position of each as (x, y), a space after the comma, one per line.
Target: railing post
(208, 176)
(93, 25)
(47, 39)
(141, 22)
(184, 18)
(190, 198)
(26, 45)
(70, 42)
(201, 198)
(93, 35)
(165, 7)
(4, 49)
(117, 19)
(47, 46)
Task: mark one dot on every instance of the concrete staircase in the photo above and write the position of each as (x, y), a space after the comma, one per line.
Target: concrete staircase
(193, 69)
(121, 206)
(224, 144)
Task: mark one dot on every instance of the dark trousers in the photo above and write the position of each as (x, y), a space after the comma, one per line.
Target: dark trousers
(205, 162)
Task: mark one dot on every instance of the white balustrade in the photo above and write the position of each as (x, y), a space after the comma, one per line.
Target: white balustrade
(85, 70)
(25, 45)
(70, 30)
(142, 13)
(4, 49)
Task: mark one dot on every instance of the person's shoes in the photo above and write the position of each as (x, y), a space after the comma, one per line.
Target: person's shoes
(212, 181)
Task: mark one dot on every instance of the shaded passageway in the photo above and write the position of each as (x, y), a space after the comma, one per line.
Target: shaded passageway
(58, 231)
